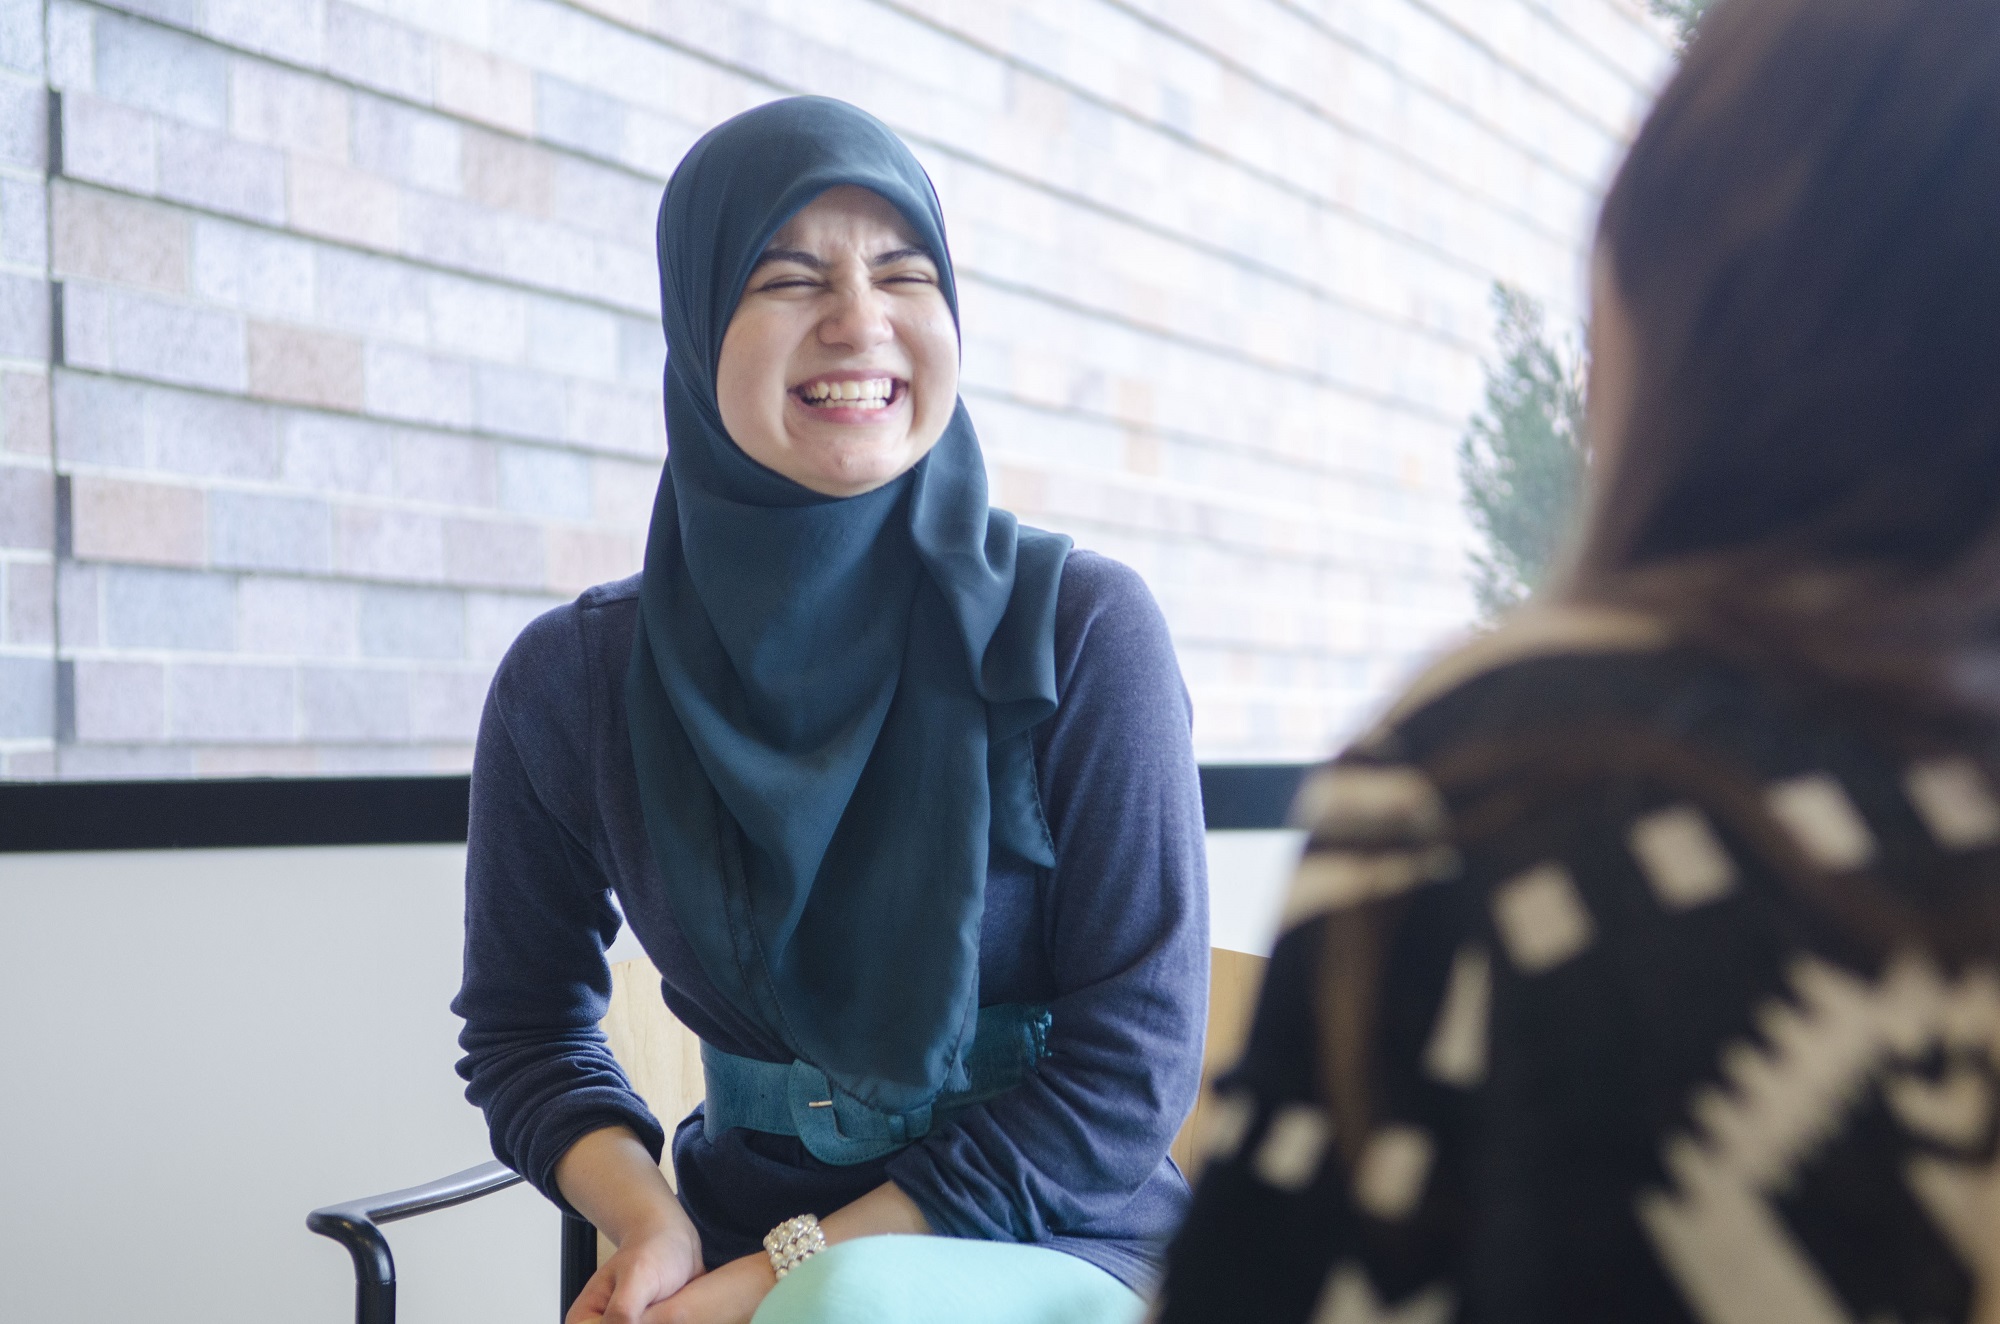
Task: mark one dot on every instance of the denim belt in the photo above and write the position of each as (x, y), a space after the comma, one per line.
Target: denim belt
(796, 1099)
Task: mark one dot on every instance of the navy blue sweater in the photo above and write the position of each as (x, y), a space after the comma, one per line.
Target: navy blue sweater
(1114, 939)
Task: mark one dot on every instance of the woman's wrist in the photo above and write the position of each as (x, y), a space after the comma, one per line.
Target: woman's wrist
(610, 1178)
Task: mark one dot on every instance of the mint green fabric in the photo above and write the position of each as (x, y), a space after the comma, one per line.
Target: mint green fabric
(947, 1280)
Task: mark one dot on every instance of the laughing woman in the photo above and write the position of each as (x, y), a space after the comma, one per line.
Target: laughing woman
(897, 794)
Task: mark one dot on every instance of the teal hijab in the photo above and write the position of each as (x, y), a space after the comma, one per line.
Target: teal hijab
(829, 698)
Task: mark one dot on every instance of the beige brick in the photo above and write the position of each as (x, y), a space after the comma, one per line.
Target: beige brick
(493, 553)
(304, 367)
(289, 111)
(388, 544)
(483, 87)
(117, 701)
(506, 174)
(147, 523)
(24, 413)
(255, 761)
(579, 558)
(339, 203)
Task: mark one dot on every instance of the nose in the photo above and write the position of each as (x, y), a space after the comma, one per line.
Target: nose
(859, 318)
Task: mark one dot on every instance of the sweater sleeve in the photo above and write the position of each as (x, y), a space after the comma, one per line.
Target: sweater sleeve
(538, 917)
(1126, 929)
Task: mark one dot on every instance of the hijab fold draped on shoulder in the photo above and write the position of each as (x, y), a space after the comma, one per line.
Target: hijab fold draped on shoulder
(829, 698)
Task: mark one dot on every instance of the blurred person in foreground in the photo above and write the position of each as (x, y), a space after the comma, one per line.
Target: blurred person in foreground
(1644, 962)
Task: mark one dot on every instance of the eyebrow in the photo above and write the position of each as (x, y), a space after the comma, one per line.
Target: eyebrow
(815, 263)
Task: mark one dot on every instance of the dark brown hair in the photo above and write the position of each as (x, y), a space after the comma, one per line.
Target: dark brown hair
(1806, 238)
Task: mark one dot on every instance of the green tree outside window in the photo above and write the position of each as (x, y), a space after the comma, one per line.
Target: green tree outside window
(1521, 460)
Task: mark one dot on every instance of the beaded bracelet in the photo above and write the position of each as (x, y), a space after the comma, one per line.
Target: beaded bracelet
(793, 1242)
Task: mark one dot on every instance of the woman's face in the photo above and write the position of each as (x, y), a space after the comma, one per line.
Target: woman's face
(840, 368)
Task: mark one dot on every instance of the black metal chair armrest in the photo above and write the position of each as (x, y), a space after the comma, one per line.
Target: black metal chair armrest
(356, 1224)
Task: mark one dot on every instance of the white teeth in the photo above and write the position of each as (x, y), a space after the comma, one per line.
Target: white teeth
(871, 394)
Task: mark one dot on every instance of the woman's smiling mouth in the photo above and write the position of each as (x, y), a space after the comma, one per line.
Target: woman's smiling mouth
(841, 393)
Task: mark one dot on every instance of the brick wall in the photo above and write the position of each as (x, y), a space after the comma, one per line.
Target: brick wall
(329, 350)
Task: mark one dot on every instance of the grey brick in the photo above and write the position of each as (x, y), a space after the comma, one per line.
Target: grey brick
(169, 73)
(599, 200)
(79, 589)
(337, 454)
(453, 233)
(615, 418)
(377, 53)
(99, 420)
(109, 143)
(377, 296)
(24, 223)
(296, 617)
(256, 532)
(622, 493)
(27, 697)
(178, 13)
(24, 413)
(214, 170)
(175, 343)
(448, 469)
(240, 266)
(24, 132)
(21, 35)
(477, 318)
(24, 317)
(86, 326)
(290, 29)
(281, 108)
(411, 146)
(124, 762)
(423, 388)
(211, 435)
(445, 705)
(655, 144)
(492, 620)
(211, 702)
(408, 622)
(31, 603)
(388, 544)
(349, 703)
(519, 403)
(551, 484)
(71, 61)
(120, 701)
(642, 352)
(381, 760)
(27, 508)
(179, 609)
(579, 117)
(569, 338)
